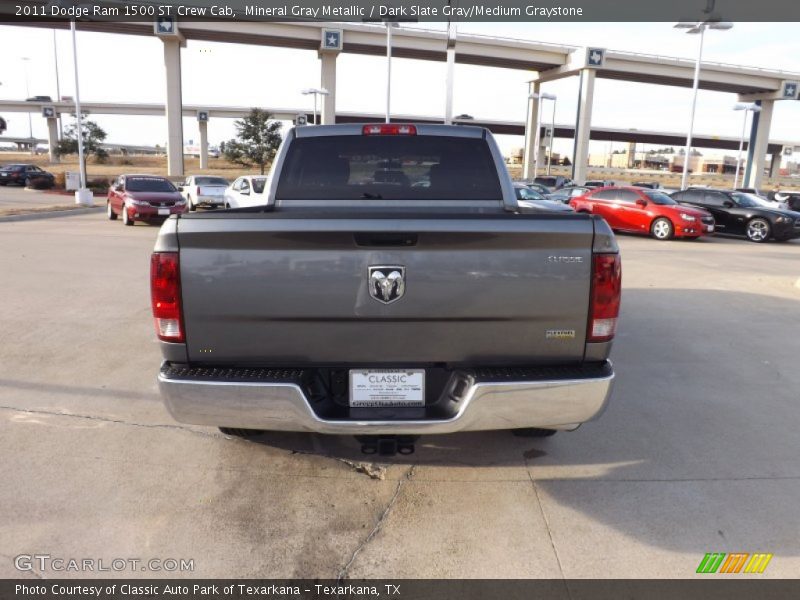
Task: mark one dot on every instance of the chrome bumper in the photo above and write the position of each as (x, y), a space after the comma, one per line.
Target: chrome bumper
(545, 403)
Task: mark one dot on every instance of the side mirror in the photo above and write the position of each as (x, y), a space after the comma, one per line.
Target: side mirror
(641, 202)
(245, 192)
(728, 204)
(180, 188)
(117, 188)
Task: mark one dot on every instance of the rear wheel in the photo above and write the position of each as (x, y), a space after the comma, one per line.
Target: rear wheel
(758, 230)
(533, 432)
(126, 219)
(661, 229)
(112, 216)
(241, 433)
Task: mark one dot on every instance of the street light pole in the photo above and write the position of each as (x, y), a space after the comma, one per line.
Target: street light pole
(695, 28)
(58, 83)
(552, 135)
(746, 107)
(82, 196)
(315, 92)
(536, 140)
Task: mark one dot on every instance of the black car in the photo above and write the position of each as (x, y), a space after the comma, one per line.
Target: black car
(553, 182)
(650, 185)
(737, 213)
(27, 175)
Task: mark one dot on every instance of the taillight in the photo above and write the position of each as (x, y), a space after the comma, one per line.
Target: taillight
(165, 295)
(389, 129)
(605, 297)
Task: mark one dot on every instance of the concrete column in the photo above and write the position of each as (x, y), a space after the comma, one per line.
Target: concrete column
(775, 165)
(757, 148)
(203, 125)
(52, 139)
(583, 126)
(174, 107)
(531, 133)
(328, 82)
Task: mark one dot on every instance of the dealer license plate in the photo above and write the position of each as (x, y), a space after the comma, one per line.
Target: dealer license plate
(387, 387)
(163, 211)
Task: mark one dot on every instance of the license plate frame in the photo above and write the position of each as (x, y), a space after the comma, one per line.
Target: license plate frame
(390, 392)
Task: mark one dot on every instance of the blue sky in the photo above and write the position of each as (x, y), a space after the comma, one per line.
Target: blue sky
(130, 68)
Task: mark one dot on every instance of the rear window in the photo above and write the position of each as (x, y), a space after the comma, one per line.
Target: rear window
(353, 167)
(210, 181)
(258, 184)
(148, 184)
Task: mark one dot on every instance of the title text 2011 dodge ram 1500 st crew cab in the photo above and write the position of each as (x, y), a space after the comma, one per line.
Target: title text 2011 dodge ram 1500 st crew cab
(390, 287)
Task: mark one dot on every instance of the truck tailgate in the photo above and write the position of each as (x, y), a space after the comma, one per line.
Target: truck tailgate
(290, 288)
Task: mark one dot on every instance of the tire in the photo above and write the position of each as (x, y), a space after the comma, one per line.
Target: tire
(112, 216)
(126, 220)
(245, 434)
(533, 432)
(192, 206)
(758, 230)
(662, 229)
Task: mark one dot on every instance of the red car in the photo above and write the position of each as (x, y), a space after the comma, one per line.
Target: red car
(142, 198)
(640, 210)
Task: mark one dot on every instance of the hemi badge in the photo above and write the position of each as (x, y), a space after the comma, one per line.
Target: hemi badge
(560, 334)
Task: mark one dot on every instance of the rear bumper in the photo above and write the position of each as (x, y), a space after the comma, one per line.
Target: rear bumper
(553, 398)
(210, 200)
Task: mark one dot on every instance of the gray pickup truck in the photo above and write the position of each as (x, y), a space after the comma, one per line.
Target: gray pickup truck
(390, 287)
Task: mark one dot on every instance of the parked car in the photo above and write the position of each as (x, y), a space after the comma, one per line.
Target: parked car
(736, 213)
(568, 193)
(651, 185)
(203, 190)
(363, 309)
(246, 191)
(531, 199)
(536, 187)
(143, 198)
(639, 210)
(598, 183)
(553, 182)
(27, 175)
(39, 99)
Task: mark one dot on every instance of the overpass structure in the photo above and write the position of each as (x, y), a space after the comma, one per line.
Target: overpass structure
(546, 62)
(774, 148)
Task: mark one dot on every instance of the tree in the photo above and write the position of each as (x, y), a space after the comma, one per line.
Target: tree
(258, 138)
(93, 137)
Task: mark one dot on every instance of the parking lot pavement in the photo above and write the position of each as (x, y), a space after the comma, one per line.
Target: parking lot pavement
(697, 452)
(13, 196)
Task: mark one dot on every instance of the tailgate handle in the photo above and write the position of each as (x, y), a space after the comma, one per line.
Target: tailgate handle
(386, 239)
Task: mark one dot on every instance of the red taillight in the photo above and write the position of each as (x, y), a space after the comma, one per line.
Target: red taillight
(606, 292)
(389, 129)
(165, 294)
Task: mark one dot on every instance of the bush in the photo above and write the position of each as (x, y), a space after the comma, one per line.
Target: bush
(98, 184)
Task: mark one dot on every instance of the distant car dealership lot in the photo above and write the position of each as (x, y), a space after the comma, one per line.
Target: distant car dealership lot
(696, 453)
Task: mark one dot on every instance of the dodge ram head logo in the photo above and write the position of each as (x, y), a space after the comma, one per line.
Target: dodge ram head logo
(387, 284)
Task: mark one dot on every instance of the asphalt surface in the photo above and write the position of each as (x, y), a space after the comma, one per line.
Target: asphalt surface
(698, 451)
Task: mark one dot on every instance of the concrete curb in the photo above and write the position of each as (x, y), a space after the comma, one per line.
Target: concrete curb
(51, 214)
